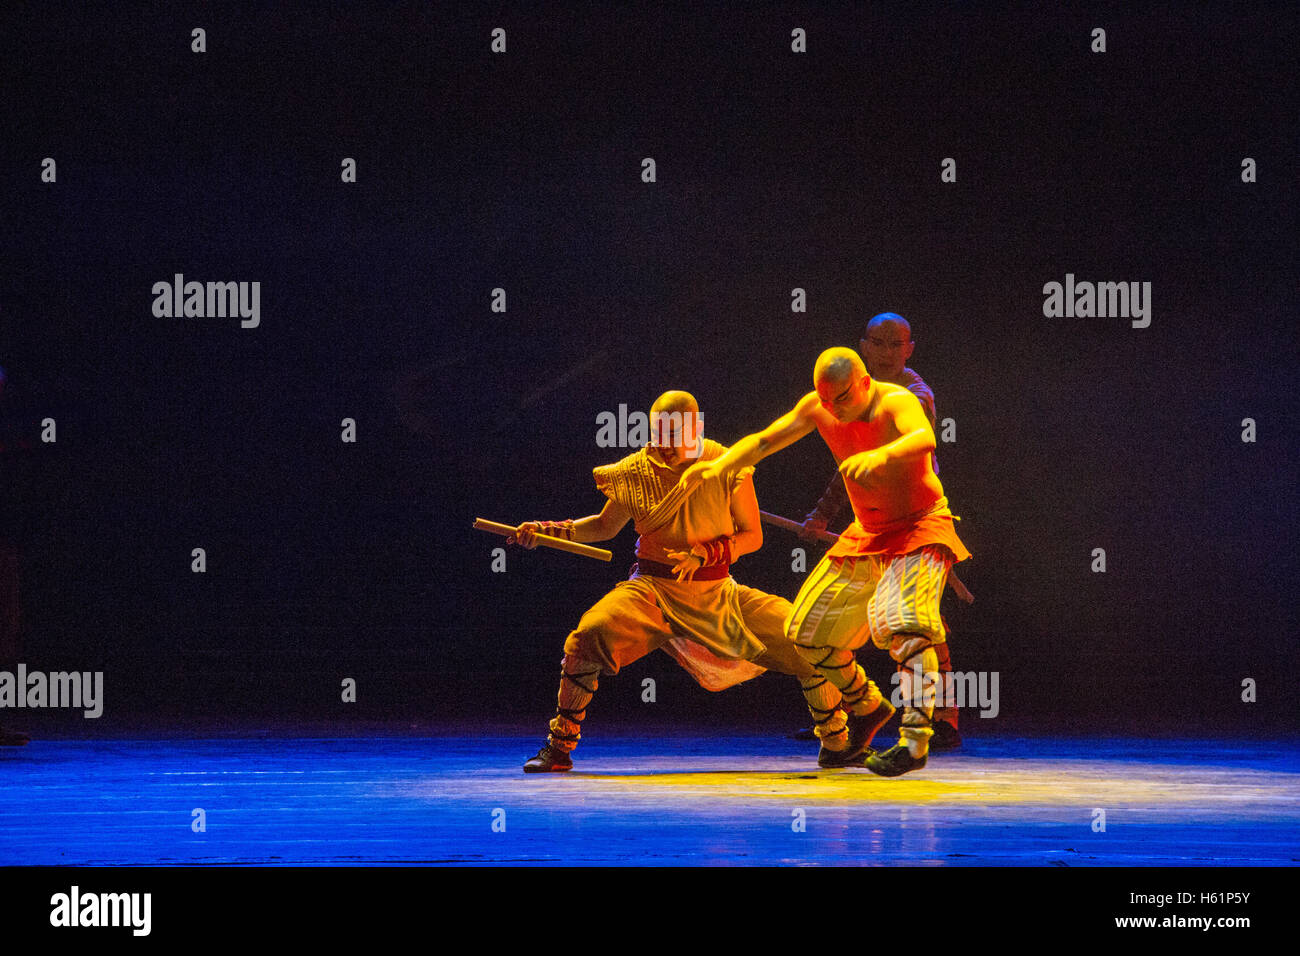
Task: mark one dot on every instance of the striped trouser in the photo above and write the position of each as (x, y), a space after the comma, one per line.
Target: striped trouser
(891, 599)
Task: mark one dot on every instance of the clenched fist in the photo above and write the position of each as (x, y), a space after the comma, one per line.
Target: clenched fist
(812, 526)
(863, 466)
(699, 473)
(526, 535)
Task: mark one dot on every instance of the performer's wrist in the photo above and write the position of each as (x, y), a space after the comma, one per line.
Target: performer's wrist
(558, 529)
(713, 553)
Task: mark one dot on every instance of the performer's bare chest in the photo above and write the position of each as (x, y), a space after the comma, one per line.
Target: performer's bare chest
(849, 438)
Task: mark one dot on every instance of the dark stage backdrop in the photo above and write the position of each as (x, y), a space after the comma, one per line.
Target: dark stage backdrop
(522, 170)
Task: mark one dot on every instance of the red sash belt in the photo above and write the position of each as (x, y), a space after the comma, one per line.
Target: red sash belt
(657, 570)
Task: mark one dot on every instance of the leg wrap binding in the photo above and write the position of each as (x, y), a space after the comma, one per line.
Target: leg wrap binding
(918, 674)
(829, 718)
(578, 682)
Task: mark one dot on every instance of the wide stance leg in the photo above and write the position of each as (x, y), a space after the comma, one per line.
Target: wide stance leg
(622, 627)
(905, 619)
(766, 615)
(578, 682)
(828, 621)
(918, 674)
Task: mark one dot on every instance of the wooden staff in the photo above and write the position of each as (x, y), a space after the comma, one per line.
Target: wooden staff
(779, 522)
(954, 582)
(958, 588)
(546, 540)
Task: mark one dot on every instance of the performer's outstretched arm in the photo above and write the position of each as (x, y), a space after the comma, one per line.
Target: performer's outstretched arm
(599, 527)
(752, 449)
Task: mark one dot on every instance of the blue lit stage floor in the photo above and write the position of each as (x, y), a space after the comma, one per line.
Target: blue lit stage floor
(639, 800)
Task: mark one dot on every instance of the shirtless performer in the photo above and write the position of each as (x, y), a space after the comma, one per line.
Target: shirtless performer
(680, 596)
(885, 347)
(883, 578)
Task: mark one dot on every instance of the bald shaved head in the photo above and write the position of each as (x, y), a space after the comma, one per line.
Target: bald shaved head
(886, 346)
(838, 366)
(890, 318)
(675, 401)
(675, 427)
(842, 383)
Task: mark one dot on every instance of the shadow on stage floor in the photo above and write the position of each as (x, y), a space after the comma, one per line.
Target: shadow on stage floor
(280, 798)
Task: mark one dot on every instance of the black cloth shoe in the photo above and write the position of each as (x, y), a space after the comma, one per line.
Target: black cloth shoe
(945, 737)
(806, 734)
(894, 762)
(832, 759)
(862, 730)
(548, 760)
(13, 738)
